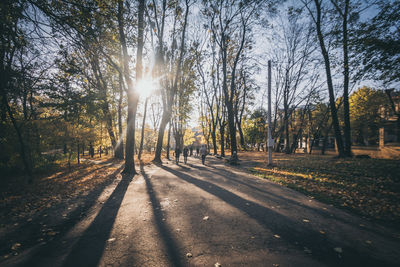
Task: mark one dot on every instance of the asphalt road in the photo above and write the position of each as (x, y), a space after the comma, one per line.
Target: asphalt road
(195, 215)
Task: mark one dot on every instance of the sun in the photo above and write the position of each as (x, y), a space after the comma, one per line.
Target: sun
(146, 86)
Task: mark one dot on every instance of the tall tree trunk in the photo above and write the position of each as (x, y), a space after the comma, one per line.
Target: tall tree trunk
(335, 121)
(214, 139)
(132, 95)
(222, 133)
(143, 124)
(163, 124)
(171, 95)
(77, 148)
(119, 150)
(286, 122)
(229, 107)
(169, 141)
(347, 129)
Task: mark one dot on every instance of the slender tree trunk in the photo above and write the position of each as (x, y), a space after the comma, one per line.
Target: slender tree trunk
(287, 146)
(119, 150)
(332, 103)
(214, 139)
(222, 133)
(164, 121)
(170, 95)
(143, 124)
(347, 127)
(169, 140)
(77, 147)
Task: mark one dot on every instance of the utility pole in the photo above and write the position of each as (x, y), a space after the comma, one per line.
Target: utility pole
(270, 142)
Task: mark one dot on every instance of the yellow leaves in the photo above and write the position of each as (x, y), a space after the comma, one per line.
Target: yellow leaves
(15, 246)
(363, 186)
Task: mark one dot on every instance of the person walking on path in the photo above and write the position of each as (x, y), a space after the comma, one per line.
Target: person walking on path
(177, 154)
(191, 150)
(185, 154)
(197, 151)
(91, 151)
(203, 153)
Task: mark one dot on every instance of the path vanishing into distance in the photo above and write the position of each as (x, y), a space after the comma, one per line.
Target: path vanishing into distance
(212, 215)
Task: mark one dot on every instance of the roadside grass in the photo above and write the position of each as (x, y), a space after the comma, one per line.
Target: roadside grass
(369, 187)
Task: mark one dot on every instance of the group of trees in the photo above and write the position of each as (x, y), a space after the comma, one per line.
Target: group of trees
(320, 51)
(70, 71)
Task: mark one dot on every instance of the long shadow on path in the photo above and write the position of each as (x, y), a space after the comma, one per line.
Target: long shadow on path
(169, 242)
(42, 254)
(90, 247)
(293, 232)
(274, 197)
(225, 172)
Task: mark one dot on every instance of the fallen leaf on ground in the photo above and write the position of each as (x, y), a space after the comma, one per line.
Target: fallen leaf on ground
(205, 218)
(277, 236)
(111, 239)
(15, 246)
(189, 255)
(322, 232)
(305, 220)
(338, 250)
(217, 264)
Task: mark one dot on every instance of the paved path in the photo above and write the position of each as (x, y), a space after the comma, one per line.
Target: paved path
(194, 215)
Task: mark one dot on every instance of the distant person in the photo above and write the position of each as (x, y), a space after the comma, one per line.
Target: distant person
(177, 154)
(203, 153)
(91, 151)
(197, 151)
(185, 154)
(191, 150)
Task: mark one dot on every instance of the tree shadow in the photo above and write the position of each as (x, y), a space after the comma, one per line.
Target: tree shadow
(169, 243)
(90, 247)
(324, 213)
(32, 230)
(293, 232)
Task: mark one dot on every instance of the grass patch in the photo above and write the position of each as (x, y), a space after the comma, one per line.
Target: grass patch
(369, 187)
